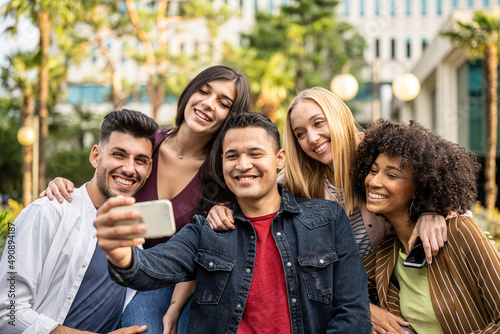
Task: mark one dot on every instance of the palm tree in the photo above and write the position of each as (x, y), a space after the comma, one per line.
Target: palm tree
(480, 39)
(43, 14)
(17, 76)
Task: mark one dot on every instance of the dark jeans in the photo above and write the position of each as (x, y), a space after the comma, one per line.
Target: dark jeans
(149, 307)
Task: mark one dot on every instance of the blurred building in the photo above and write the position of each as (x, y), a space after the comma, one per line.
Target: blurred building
(402, 35)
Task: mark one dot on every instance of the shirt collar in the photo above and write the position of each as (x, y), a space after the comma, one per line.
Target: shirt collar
(288, 204)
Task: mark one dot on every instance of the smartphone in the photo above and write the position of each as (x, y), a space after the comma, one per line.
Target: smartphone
(416, 256)
(158, 216)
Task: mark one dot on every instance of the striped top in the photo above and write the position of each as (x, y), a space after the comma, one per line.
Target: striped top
(464, 279)
(358, 227)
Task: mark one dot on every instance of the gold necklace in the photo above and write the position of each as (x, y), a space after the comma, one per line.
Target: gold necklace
(179, 153)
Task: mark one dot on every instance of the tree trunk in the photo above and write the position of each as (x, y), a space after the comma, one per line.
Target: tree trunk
(27, 121)
(150, 57)
(117, 97)
(43, 92)
(491, 75)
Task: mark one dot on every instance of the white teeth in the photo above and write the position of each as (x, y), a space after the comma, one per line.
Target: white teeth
(376, 196)
(246, 178)
(202, 116)
(322, 147)
(123, 181)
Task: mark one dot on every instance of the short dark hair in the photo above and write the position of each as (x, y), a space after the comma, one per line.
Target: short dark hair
(216, 191)
(131, 122)
(444, 173)
(250, 120)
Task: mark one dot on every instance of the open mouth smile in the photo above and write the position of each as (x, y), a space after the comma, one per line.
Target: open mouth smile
(202, 115)
(245, 178)
(123, 181)
(322, 147)
(376, 196)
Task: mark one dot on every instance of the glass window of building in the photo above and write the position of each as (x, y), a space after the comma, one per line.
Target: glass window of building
(377, 48)
(408, 48)
(393, 48)
(271, 6)
(424, 43)
(346, 7)
(439, 8)
(486, 3)
(393, 7)
(408, 7)
(377, 7)
(424, 7)
(454, 4)
(470, 3)
(362, 7)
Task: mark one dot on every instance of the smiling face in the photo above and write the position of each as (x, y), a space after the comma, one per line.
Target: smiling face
(250, 162)
(123, 164)
(311, 130)
(389, 188)
(208, 107)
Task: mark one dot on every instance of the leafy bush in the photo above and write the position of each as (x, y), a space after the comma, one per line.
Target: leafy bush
(7, 217)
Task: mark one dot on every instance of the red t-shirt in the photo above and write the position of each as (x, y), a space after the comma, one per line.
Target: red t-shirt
(266, 310)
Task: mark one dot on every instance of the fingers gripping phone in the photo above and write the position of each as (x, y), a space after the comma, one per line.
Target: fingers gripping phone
(416, 255)
(158, 216)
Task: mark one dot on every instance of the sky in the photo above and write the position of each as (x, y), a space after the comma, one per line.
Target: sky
(26, 39)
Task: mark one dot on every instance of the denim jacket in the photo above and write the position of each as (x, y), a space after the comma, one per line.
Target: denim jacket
(325, 278)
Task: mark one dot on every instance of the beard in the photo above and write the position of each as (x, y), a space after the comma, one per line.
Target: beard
(104, 188)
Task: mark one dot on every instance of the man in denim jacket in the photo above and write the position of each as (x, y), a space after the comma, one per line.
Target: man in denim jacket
(290, 265)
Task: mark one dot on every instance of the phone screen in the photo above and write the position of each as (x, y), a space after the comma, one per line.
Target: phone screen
(416, 256)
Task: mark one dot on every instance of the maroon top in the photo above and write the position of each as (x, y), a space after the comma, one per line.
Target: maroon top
(184, 203)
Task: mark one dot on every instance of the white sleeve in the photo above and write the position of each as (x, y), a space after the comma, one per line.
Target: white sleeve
(26, 248)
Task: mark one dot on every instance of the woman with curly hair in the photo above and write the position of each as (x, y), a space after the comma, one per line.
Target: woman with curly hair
(401, 170)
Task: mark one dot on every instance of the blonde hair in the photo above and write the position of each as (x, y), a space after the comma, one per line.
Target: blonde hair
(303, 175)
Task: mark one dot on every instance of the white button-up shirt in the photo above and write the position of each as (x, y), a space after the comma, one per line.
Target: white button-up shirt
(48, 251)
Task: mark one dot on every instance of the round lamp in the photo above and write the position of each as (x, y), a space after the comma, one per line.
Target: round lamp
(26, 135)
(344, 86)
(406, 87)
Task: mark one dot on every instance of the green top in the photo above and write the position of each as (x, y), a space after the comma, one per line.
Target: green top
(415, 297)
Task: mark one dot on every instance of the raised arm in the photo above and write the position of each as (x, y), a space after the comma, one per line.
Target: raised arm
(116, 241)
(60, 189)
(220, 218)
(431, 227)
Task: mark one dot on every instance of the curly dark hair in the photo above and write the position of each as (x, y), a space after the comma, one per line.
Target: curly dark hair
(445, 174)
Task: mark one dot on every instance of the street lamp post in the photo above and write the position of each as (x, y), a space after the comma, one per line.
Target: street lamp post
(28, 137)
(405, 87)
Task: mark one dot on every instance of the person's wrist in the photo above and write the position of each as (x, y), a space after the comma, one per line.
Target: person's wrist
(433, 212)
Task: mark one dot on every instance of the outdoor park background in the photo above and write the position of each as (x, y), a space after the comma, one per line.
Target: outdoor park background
(65, 63)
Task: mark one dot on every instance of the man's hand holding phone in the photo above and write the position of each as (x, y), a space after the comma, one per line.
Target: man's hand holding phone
(117, 240)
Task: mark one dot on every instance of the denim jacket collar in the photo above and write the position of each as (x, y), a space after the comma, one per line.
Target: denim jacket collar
(288, 204)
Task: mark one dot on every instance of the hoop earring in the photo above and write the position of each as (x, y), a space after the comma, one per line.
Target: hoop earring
(411, 206)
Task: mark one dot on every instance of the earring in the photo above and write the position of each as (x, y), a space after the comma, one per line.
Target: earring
(411, 206)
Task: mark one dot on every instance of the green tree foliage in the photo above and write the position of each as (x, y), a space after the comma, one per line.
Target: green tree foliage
(311, 44)
(47, 16)
(481, 40)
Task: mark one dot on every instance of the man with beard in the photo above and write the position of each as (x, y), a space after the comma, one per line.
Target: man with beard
(54, 276)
